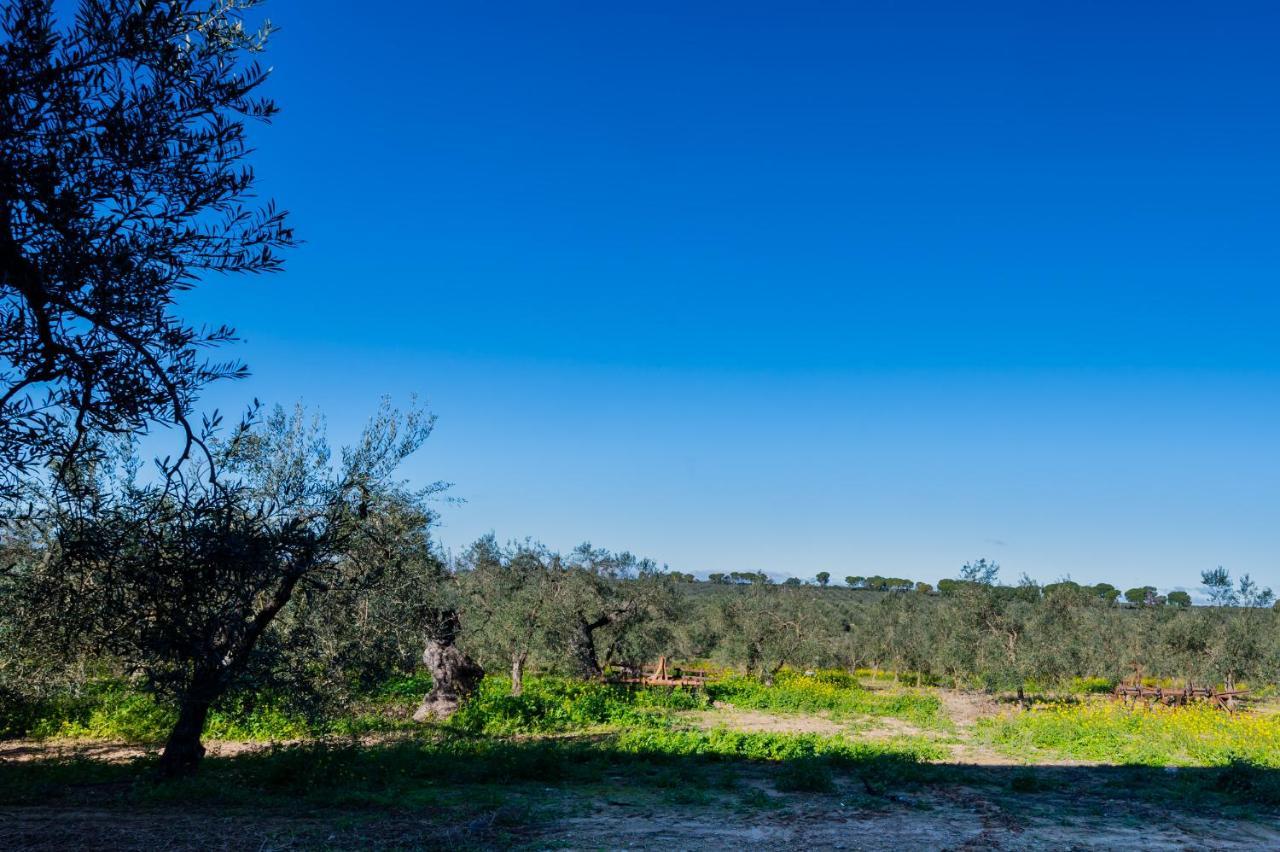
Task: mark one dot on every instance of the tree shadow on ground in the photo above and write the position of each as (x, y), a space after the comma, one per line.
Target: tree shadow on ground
(498, 790)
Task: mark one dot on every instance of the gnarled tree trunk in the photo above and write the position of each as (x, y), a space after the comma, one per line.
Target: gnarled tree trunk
(454, 675)
(183, 750)
(582, 648)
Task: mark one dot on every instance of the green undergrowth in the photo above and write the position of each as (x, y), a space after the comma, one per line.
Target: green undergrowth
(1108, 732)
(113, 710)
(557, 705)
(721, 742)
(419, 771)
(836, 693)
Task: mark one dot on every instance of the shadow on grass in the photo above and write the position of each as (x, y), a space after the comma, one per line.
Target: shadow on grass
(446, 771)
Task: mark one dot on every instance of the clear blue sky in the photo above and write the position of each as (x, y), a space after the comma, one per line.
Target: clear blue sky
(790, 288)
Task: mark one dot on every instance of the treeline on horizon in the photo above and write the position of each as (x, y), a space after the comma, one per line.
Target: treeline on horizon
(1137, 596)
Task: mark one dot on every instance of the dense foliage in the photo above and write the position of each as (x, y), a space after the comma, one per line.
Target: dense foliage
(123, 181)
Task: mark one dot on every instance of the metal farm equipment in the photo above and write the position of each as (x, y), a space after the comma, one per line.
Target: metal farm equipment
(1132, 693)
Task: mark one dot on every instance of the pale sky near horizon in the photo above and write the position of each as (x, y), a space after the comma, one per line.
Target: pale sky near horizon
(787, 288)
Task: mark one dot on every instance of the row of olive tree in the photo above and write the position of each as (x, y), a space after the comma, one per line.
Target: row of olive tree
(982, 633)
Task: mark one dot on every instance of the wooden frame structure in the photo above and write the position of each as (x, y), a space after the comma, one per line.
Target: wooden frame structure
(662, 674)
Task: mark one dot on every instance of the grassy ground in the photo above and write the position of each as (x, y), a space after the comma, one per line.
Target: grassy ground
(825, 763)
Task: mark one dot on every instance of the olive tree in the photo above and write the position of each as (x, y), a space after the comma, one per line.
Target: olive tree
(512, 600)
(616, 606)
(766, 626)
(182, 577)
(123, 180)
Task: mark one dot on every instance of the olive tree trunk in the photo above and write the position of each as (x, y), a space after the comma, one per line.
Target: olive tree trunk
(454, 675)
(183, 749)
(517, 673)
(582, 648)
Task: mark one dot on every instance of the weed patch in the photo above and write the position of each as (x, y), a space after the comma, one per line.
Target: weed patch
(1159, 736)
(834, 692)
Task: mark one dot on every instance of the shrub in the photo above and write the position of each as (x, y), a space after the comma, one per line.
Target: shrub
(552, 704)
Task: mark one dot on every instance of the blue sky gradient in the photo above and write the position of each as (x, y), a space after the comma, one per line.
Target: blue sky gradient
(791, 288)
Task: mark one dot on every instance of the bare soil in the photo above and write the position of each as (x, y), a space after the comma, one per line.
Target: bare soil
(954, 818)
(754, 721)
(753, 816)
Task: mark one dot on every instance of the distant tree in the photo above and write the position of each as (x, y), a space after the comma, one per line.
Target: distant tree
(854, 582)
(1238, 619)
(982, 572)
(1179, 599)
(823, 577)
(123, 181)
(769, 626)
(997, 620)
(717, 578)
(1107, 592)
(888, 584)
(1222, 592)
(1059, 642)
(792, 581)
(1217, 582)
(1141, 595)
(1052, 588)
(924, 588)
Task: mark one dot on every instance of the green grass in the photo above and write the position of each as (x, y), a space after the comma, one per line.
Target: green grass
(112, 709)
(418, 772)
(833, 692)
(1160, 736)
(558, 705)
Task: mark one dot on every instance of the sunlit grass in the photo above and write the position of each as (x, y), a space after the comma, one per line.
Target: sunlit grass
(836, 693)
(1109, 732)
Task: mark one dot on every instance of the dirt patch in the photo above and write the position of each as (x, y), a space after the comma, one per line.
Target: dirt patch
(57, 829)
(954, 818)
(19, 751)
(755, 721)
(887, 727)
(966, 708)
(106, 751)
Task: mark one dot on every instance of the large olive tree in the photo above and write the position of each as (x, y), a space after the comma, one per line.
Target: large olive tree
(181, 577)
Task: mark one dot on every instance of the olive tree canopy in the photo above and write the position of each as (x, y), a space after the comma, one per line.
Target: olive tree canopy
(123, 180)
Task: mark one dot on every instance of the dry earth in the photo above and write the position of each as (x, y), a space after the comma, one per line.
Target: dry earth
(956, 818)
